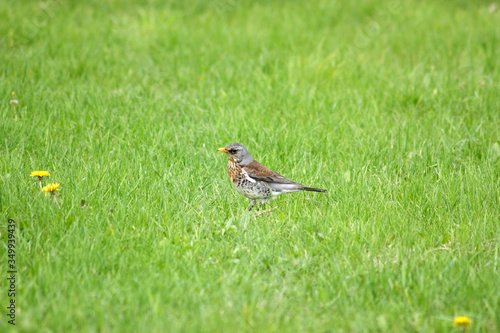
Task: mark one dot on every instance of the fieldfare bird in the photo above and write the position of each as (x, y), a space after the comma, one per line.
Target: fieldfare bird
(255, 181)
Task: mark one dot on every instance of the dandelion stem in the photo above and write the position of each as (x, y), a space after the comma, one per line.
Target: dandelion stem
(55, 200)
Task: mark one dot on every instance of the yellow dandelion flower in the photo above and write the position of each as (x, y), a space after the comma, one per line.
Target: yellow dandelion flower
(40, 174)
(14, 99)
(51, 188)
(462, 321)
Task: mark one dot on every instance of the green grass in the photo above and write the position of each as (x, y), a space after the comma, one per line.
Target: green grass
(393, 106)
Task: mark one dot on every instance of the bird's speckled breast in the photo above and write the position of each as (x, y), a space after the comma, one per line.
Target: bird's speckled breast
(247, 186)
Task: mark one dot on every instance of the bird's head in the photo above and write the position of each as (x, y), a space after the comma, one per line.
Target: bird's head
(237, 153)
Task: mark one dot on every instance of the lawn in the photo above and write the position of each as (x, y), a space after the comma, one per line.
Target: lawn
(393, 106)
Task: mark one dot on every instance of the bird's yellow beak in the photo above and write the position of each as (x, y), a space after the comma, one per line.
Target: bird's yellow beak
(224, 150)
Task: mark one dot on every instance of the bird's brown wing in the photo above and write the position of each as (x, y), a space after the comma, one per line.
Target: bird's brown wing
(259, 172)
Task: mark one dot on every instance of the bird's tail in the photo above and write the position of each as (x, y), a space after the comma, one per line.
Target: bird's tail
(313, 189)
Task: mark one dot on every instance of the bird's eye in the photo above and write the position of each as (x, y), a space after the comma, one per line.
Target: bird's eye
(232, 151)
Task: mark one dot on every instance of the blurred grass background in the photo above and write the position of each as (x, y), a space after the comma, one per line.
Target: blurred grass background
(390, 105)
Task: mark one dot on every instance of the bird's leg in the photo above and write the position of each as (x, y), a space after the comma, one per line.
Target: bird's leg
(253, 204)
